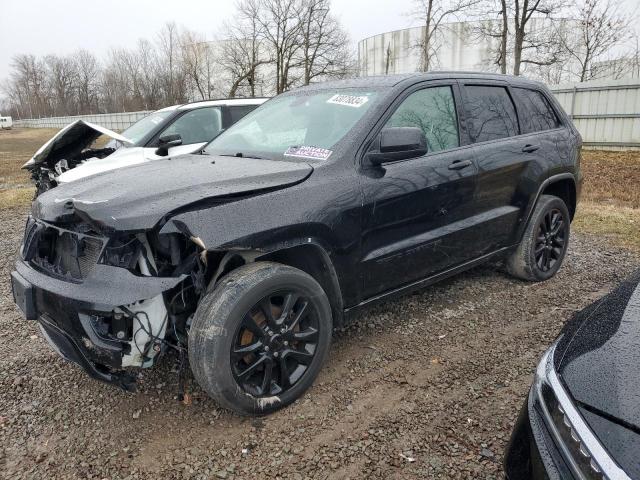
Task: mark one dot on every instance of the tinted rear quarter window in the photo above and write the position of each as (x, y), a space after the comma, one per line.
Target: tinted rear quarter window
(536, 113)
(239, 111)
(490, 112)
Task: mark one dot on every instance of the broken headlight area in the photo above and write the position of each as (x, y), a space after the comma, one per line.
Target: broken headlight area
(125, 251)
(62, 253)
(154, 325)
(91, 323)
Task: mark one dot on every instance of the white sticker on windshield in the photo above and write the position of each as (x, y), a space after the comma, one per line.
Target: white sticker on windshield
(348, 100)
(304, 151)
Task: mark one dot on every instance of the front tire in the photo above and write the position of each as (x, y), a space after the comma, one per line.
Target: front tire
(544, 243)
(259, 338)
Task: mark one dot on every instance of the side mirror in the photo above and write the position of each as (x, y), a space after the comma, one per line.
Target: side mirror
(399, 143)
(166, 142)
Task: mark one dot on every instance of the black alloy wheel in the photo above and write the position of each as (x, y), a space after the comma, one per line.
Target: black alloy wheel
(550, 240)
(260, 336)
(275, 343)
(544, 242)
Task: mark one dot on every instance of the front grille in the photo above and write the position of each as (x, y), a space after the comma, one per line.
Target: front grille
(59, 252)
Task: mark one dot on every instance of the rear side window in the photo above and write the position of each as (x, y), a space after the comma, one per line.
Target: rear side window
(491, 113)
(432, 110)
(239, 111)
(535, 112)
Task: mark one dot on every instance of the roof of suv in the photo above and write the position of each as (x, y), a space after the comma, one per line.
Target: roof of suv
(393, 80)
(213, 103)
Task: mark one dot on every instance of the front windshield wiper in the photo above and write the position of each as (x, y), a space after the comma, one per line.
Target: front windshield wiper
(241, 155)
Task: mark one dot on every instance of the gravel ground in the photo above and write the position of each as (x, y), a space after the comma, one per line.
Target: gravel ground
(427, 386)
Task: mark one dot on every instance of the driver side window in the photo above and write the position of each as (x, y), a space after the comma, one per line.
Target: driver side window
(197, 126)
(432, 110)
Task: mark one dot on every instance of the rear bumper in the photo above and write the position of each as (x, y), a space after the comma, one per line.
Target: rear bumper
(66, 312)
(532, 454)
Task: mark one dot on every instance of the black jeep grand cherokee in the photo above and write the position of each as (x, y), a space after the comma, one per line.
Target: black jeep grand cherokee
(322, 201)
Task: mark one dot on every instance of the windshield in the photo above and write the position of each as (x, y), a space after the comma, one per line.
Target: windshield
(139, 130)
(305, 126)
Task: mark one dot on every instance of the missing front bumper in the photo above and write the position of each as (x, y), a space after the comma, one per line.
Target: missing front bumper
(69, 314)
(67, 348)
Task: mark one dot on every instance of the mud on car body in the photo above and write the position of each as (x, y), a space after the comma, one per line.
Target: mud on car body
(171, 131)
(323, 201)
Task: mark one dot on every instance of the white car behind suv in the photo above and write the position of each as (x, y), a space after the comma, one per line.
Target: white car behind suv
(168, 132)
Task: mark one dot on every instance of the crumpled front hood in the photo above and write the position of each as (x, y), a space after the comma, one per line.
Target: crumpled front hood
(600, 360)
(70, 141)
(139, 196)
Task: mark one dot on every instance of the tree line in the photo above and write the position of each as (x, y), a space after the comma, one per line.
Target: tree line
(551, 40)
(268, 47)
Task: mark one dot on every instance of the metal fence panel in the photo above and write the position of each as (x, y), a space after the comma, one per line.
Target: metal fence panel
(606, 113)
(112, 121)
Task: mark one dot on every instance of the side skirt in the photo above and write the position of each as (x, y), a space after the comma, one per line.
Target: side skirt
(350, 313)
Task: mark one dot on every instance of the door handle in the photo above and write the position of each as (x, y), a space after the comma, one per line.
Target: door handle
(528, 148)
(459, 164)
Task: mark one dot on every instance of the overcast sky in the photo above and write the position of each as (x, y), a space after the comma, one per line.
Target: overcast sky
(62, 26)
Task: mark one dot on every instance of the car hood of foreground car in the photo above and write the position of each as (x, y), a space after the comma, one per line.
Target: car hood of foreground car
(598, 360)
(139, 196)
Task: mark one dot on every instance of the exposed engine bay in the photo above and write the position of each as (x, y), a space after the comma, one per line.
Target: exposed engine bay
(66, 150)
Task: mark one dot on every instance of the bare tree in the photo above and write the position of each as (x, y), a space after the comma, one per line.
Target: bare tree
(87, 87)
(282, 26)
(498, 30)
(270, 44)
(150, 81)
(433, 14)
(170, 69)
(543, 42)
(198, 63)
(61, 79)
(243, 48)
(324, 43)
(601, 27)
(527, 34)
(29, 84)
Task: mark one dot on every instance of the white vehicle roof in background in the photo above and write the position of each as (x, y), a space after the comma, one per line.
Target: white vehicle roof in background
(213, 103)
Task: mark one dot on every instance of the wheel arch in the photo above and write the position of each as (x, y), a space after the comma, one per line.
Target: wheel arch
(562, 186)
(307, 256)
(314, 260)
(565, 189)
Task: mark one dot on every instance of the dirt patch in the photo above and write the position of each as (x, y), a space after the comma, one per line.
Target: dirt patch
(437, 377)
(17, 146)
(619, 224)
(611, 177)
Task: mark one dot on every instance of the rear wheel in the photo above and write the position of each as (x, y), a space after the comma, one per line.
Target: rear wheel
(544, 243)
(259, 339)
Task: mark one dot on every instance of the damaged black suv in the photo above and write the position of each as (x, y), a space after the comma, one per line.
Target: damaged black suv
(322, 201)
